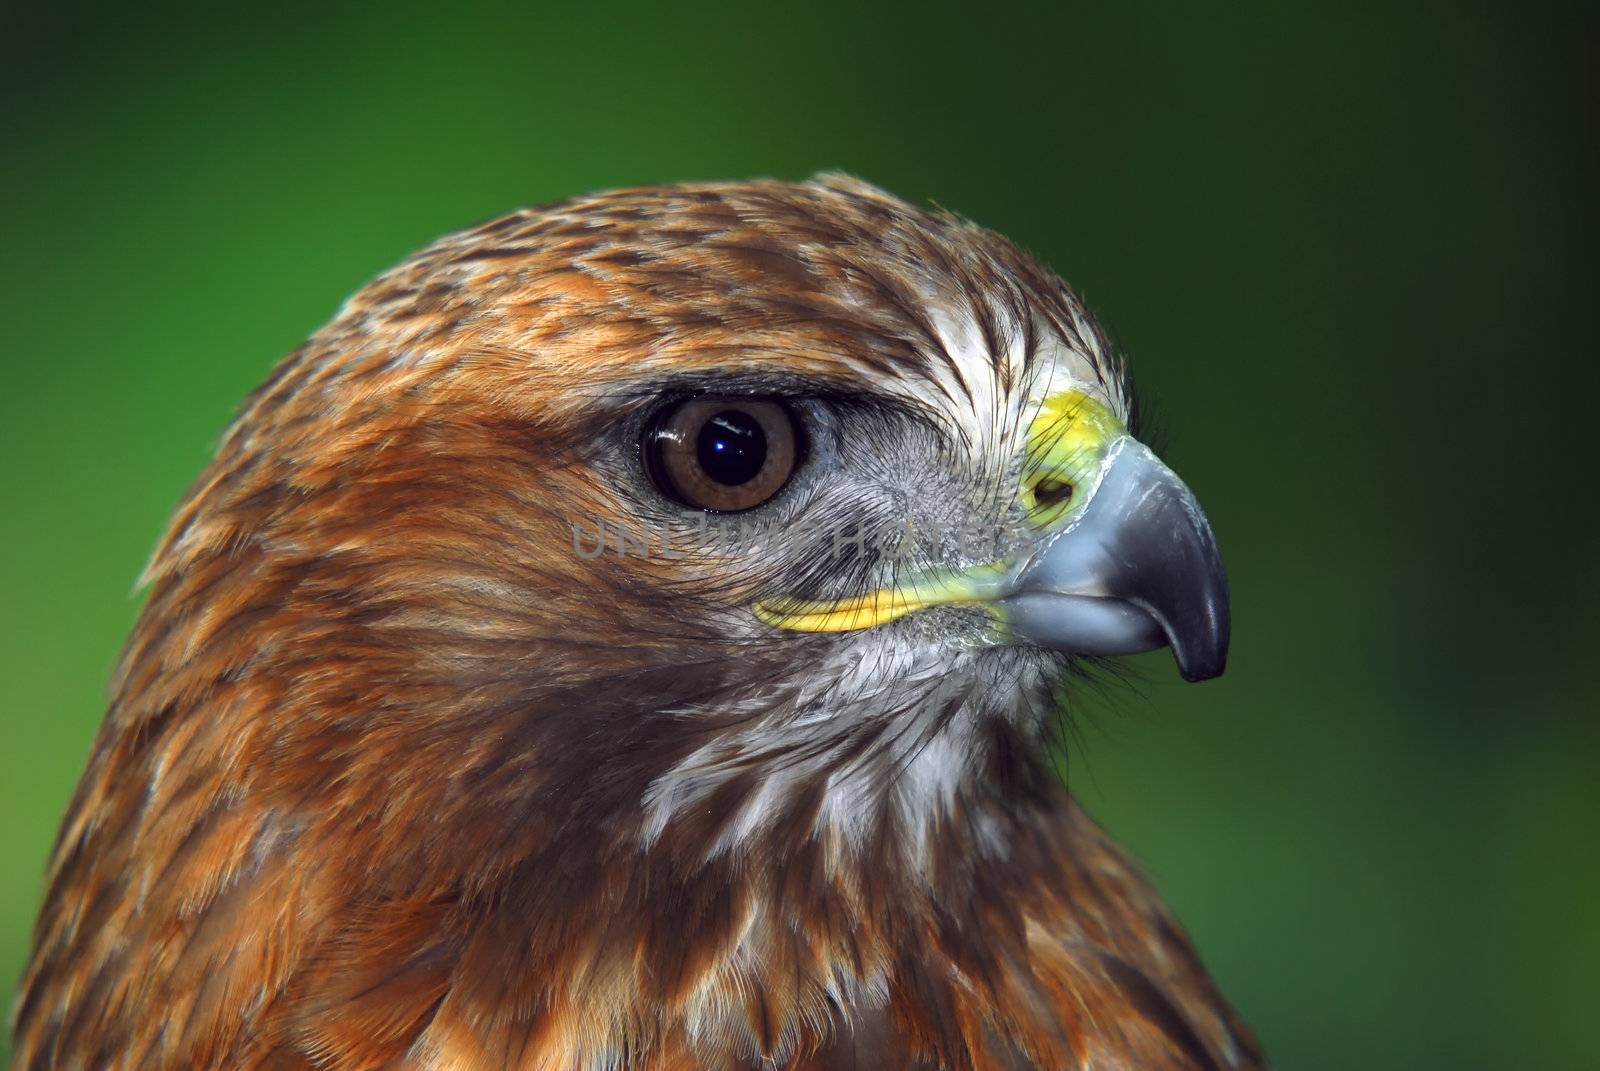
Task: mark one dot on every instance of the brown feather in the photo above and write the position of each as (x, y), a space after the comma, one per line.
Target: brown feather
(373, 790)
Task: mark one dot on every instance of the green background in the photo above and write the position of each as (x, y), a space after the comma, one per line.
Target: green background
(1344, 251)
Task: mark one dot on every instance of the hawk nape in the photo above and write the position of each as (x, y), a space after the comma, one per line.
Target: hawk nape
(627, 637)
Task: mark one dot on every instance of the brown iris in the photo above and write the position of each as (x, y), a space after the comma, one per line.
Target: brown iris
(722, 454)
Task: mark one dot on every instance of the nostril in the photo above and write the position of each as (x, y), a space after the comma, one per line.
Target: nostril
(1049, 492)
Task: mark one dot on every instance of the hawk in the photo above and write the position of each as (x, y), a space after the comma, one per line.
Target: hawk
(629, 636)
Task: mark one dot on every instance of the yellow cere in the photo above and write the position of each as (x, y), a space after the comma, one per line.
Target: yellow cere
(1066, 443)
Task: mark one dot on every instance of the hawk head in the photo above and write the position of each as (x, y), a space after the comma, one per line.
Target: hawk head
(619, 609)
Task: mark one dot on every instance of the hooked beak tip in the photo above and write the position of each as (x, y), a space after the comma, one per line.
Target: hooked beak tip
(1136, 570)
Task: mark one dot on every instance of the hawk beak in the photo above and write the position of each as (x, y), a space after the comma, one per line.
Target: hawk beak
(1136, 568)
(1131, 567)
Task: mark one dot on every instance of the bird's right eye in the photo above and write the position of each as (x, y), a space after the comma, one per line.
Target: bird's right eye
(722, 454)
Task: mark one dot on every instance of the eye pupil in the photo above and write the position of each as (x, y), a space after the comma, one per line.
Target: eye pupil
(722, 454)
(732, 448)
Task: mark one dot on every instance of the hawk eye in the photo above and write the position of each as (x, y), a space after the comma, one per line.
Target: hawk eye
(721, 454)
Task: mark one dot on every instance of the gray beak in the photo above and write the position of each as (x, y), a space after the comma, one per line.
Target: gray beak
(1137, 568)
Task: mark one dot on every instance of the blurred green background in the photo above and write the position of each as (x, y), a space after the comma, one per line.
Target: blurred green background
(1344, 250)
